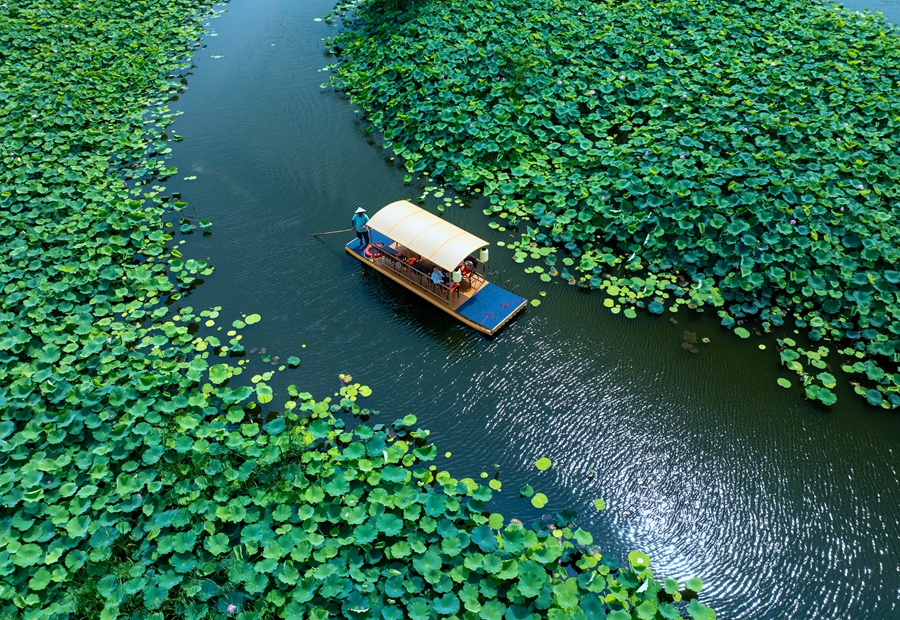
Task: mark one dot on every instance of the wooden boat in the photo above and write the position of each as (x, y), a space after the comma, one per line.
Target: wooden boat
(409, 242)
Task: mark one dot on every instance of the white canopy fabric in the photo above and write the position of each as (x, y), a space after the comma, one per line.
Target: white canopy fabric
(425, 234)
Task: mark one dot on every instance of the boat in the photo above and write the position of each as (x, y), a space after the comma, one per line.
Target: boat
(408, 243)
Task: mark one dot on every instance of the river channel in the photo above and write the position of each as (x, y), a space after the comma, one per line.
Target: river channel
(785, 509)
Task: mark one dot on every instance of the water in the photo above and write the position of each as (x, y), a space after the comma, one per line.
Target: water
(786, 510)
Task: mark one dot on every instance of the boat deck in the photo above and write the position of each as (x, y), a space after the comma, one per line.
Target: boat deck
(476, 302)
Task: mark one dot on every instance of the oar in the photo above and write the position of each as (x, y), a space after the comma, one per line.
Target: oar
(331, 232)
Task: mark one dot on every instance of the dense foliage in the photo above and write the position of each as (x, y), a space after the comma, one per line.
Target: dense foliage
(741, 155)
(137, 479)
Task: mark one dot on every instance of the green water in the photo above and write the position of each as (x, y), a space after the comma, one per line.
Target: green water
(786, 510)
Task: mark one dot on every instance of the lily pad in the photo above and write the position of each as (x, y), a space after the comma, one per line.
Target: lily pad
(539, 500)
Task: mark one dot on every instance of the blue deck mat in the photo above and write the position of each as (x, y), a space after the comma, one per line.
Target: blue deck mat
(490, 306)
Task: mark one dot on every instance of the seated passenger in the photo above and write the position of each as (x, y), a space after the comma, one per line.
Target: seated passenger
(437, 277)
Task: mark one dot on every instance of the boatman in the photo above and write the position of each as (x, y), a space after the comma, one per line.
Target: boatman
(359, 224)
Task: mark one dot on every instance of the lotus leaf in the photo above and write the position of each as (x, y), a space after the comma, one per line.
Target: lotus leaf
(695, 584)
(583, 538)
(699, 611)
(485, 538)
(639, 560)
(543, 463)
(446, 605)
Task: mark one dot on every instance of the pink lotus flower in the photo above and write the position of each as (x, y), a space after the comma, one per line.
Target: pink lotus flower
(793, 222)
(231, 609)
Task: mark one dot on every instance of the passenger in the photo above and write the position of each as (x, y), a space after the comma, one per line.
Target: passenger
(437, 277)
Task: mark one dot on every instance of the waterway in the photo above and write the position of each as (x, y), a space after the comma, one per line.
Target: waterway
(785, 509)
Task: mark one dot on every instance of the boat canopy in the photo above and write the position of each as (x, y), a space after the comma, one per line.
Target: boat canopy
(439, 241)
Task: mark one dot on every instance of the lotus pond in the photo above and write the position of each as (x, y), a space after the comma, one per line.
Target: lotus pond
(172, 505)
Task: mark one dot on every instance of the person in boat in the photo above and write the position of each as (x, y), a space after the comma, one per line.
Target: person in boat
(437, 276)
(359, 222)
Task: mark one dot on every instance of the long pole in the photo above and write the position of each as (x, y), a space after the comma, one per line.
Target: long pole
(331, 232)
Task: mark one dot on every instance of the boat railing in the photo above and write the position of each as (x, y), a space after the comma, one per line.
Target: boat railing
(412, 274)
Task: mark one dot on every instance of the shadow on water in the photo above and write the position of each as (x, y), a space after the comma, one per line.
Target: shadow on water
(786, 510)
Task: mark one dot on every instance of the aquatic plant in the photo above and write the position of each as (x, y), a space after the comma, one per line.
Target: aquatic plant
(684, 153)
(139, 479)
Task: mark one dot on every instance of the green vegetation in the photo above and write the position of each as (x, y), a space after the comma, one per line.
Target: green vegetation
(137, 480)
(676, 154)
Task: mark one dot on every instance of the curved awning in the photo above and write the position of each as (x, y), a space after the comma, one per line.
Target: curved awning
(426, 234)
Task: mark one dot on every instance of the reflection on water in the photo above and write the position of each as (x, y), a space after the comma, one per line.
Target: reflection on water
(786, 510)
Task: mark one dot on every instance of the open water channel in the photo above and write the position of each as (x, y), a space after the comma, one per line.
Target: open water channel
(786, 510)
